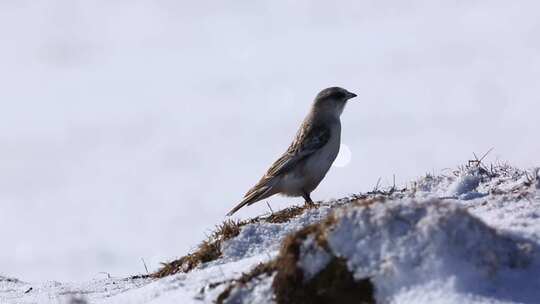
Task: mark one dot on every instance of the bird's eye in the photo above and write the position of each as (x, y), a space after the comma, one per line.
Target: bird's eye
(338, 95)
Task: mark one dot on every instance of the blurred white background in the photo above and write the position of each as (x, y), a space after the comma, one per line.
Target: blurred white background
(129, 128)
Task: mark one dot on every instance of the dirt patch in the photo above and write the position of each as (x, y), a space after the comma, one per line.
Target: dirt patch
(258, 271)
(333, 284)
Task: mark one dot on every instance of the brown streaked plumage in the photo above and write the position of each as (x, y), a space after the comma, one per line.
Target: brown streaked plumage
(309, 157)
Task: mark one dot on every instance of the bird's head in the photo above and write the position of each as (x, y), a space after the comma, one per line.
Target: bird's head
(332, 100)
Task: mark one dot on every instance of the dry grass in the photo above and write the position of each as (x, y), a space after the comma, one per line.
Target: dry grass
(139, 276)
(209, 250)
(227, 230)
(368, 201)
(287, 214)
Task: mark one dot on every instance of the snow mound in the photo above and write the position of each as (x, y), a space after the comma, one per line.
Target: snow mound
(398, 248)
(405, 244)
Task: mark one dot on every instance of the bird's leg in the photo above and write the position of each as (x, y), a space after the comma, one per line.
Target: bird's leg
(307, 199)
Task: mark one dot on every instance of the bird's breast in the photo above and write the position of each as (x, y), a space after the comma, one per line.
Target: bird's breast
(312, 170)
(316, 166)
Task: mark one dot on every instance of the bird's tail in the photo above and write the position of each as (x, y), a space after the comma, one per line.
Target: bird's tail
(251, 197)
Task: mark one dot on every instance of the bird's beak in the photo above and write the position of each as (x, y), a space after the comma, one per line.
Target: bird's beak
(351, 95)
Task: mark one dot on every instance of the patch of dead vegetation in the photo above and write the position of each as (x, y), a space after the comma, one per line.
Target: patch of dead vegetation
(333, 284)
(536, 175)
(209, 250)
(367, 202)
(489, 171)
(139, 276)
(287, 214)
(10, 280)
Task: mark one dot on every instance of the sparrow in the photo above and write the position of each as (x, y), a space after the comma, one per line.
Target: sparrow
(311, 154)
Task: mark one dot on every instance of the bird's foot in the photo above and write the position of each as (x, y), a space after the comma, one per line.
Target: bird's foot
(308, 201)
(309, 204)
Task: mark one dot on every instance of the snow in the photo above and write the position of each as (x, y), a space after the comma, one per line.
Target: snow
(124, 124)
(420, 245)
(260, 293)
(312, 258)
(465, 187)
(265, 238)
(403, 244)
(55, 292)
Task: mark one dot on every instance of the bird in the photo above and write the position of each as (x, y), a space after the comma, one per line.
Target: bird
(311, 154)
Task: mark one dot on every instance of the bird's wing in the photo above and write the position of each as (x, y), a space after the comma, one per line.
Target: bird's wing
(309, 139)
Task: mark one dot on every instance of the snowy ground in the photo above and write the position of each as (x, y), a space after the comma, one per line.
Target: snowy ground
(468, 236)
(117, 115)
